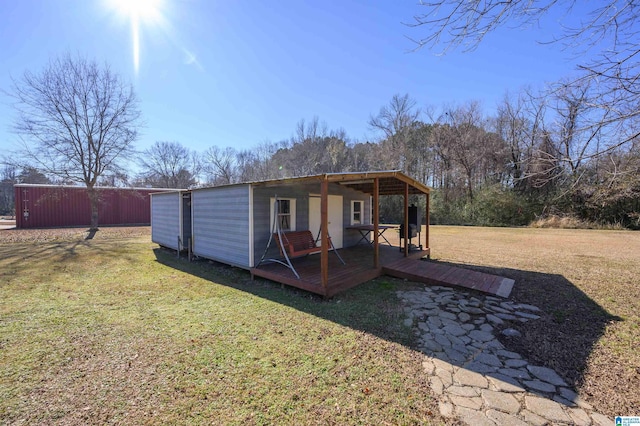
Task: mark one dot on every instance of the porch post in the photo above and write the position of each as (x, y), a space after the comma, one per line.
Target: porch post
(376, 222)
(426, 218)
(406, 219)
(324, 232)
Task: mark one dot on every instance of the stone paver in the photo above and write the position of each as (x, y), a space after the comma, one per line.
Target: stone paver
(462, 401)
(516, 373)
(505, 383)
(474, 378)
(546, 408)
(579, 417)
(533, 419)
(547, 375)
(600, 420)
(474, 417)
(515, 363)
(470, 378)
(467, 391)
(436, 385)
(539, 386)
(504, 419)
(500, 401)
(446, 409)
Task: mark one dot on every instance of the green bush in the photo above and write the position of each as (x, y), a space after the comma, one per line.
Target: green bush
(498, 206)
(491, 206)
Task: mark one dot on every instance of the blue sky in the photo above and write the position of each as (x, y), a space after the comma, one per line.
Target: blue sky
(238, 73)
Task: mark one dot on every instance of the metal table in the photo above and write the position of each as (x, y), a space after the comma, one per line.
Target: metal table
(365, 230)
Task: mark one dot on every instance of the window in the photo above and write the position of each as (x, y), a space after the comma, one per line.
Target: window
(286, 212)
(357, 212)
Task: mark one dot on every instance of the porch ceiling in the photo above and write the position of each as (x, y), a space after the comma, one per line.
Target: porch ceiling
(390, 182)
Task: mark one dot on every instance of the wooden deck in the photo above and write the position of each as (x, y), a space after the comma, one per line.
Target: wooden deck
(451, 276)
(359, 269)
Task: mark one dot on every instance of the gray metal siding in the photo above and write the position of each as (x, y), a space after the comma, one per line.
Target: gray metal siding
(352, 236)
(165, 219)
(261, 212)
(221, 224)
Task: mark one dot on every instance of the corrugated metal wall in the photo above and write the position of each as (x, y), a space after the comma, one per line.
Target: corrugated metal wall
(47, 206)
(165, 219)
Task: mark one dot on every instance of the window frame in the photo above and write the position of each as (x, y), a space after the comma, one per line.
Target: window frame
(352, 218)
(291, 214)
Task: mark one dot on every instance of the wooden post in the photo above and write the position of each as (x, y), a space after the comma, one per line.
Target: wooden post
(376, 222)
(324, 232)
(426, 218)
(406, 219)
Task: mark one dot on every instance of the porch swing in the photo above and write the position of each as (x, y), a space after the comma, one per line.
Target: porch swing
(292, 244)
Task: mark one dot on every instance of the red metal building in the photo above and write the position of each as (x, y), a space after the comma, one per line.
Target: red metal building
(48, 206)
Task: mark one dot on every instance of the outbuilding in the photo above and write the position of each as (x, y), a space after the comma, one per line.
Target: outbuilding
(50, 206)
(240, 225)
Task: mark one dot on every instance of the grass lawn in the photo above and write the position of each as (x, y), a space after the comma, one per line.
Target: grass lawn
(119, 331)
(116, 330)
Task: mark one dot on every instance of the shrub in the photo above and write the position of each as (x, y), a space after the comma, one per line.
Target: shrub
(571, 222)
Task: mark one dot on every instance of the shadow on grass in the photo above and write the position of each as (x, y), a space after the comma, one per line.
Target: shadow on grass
(53, 251)
(91, 234)
(371, 307)
(570, 325)
(562, 339)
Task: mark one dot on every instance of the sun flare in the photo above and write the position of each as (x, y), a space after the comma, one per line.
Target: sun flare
(140, 8)
(139, 13)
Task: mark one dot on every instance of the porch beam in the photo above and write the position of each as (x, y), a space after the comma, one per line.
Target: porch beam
(376, 222)
(427, 220)
(324, 235)
(406, 219)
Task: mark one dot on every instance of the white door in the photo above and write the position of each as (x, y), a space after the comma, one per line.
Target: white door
(335, 218)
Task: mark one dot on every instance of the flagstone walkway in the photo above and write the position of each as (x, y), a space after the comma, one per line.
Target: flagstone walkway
(474, 377)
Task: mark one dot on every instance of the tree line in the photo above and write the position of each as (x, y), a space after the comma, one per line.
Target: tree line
(534, 156)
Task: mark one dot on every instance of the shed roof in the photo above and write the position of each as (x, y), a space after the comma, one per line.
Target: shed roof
(83, 187)
(391, 182)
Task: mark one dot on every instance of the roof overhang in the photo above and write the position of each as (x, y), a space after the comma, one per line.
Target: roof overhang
(389, 182)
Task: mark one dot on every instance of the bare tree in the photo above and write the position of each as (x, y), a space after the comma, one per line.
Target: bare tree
(396, 121)
(462, 140)
(336, 152)
(259, 163)
(76, 121)
(520, 122)
(305, 152)
(220, 165)
(169, 165)
(313, 149)
(608, 36)
(568, 133)
(397, 116)
(8, 178)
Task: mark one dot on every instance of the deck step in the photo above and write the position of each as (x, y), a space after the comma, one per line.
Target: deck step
(452, 276)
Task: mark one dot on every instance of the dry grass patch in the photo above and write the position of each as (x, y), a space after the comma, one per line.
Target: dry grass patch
(119, 331)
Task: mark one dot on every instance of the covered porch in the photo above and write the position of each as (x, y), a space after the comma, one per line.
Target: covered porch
(359, 268)
(323, 273)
